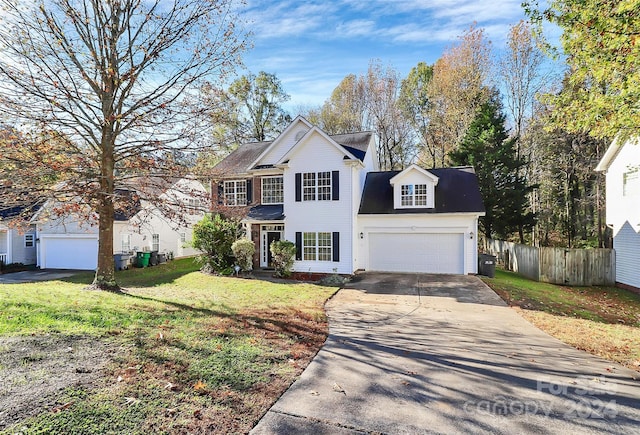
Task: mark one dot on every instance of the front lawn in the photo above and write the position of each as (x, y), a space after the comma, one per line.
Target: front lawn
(604, 321)
(179, 352)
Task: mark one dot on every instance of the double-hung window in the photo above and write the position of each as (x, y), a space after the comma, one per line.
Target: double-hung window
(309, 186)
(318, 246)
(324, 186)
(235, 192)
(413, 195)
(29, 240)
(272, 190)
(155, 242)
(320, 186)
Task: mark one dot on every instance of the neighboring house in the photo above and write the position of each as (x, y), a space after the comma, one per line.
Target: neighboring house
(17, 245)
(621, 164)
(325, 194)
(70, 240)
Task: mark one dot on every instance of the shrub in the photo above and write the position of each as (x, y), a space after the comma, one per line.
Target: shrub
(243, 249)
(214, 237)
(283, 252)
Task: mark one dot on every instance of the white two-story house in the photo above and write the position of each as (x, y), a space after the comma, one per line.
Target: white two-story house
(326, 194)
(621, 164)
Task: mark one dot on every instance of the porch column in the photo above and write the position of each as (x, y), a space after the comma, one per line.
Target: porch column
(9, 249)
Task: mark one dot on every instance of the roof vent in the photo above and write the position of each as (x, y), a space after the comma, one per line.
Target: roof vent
(300, 134)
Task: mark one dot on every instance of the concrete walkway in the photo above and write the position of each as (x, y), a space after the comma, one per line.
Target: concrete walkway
(36, 275)
(443, 354)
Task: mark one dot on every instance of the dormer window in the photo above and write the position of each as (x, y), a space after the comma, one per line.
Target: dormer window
(413, 195)
(414, 187)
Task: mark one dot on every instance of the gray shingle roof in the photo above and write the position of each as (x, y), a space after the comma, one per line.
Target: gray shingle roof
(239, 160)
(267, 212)
(457, 192)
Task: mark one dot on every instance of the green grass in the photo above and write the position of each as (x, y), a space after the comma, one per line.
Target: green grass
(221, 343)
(604, 321)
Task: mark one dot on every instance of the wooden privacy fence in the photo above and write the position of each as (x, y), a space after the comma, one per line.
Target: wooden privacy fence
(557, 265)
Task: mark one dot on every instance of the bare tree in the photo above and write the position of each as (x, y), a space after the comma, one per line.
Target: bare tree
(384, 115)
(344, 111)
(521, 72)
(457, 89)
(117, 82)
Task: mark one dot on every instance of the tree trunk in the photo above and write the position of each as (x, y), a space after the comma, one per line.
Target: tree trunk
(105, 278)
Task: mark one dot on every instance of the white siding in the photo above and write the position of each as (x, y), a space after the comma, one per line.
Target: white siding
(461, 224)
(623, 214)
(19, 252)
(284, 143)
(620, 208)
(627, 246)
(315, 154)
(141, 234)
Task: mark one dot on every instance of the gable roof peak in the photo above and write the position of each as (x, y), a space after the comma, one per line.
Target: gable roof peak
(411, 168)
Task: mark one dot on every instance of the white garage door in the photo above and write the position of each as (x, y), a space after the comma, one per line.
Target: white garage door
(416, 252)
(69, 253)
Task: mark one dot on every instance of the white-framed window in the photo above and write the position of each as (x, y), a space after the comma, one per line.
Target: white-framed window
(420, 198)
(413, 195)
(309, 186)
(193, 206)
(235, 192)
(317, 246)
(155, 242)
(631, 182)
(29, 240)
(324, 186)
(183, 237)
(324, 247)
(316, 185)
(126, 243)
(272, 190)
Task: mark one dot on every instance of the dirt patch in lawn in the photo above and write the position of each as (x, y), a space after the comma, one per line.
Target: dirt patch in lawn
(48, 382)
(34, 370)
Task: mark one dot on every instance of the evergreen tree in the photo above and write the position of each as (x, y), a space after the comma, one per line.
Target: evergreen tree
(487, 147)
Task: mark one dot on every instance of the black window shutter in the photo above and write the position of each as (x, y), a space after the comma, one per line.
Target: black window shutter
(298, 245)
(335, 185)
(336, 246)
(298, 187)
(220, 193)
(249, 191)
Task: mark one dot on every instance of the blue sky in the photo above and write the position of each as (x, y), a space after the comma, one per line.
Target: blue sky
(312, 45)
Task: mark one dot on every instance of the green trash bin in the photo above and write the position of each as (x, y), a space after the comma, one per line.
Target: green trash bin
(143, 259)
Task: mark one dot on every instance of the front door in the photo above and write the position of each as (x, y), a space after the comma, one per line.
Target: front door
(269, 234)
(272, 236)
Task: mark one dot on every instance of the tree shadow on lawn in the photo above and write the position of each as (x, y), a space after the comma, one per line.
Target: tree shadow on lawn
(267, 320)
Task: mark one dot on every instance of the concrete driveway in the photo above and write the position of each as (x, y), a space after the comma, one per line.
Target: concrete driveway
(443, 354)
(36, 275)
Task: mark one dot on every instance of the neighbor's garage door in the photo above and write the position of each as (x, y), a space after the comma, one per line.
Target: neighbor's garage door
(69, 253)
(416, 252)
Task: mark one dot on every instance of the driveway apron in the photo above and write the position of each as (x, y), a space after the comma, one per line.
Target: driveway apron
(413, 354)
